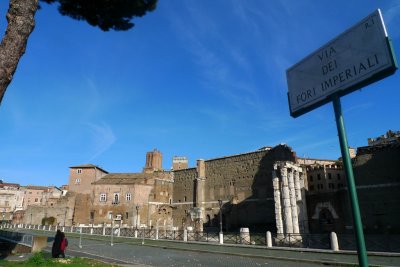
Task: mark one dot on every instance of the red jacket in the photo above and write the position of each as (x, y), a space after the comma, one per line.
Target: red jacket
(64, 244)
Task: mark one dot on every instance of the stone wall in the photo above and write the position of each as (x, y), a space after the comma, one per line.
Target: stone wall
(62, 211)
(377, 177)
(243, 182)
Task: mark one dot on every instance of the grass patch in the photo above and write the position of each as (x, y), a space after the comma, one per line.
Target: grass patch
(44, 259)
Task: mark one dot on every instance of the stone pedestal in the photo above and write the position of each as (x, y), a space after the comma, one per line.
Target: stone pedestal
(38, 243)
(245, 236)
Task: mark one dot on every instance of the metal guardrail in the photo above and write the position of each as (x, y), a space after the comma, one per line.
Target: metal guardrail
(320, 241)
(376, 243)
(21, 238)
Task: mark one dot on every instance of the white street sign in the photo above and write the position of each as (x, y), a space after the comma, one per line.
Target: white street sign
(359, 56)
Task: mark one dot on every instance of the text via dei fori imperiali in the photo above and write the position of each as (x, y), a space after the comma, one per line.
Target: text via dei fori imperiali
(334, 76)
(359, 56)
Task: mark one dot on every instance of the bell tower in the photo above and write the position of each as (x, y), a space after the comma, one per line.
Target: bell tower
(153, 161)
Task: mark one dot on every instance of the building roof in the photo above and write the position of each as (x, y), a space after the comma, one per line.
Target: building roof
(36, 187)
(88, 166)
(130, 178)
(2, 185)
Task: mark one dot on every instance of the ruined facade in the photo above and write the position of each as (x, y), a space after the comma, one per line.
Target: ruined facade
(242, 182)
(267, 189)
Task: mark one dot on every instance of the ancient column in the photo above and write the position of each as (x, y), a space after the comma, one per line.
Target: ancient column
(287, 207)
(277, 201)
(200, 189)
(303, 217)
(293, 201)
(297, 184)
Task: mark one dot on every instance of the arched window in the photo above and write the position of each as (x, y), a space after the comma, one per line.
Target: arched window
(116, 198)
(325, 217)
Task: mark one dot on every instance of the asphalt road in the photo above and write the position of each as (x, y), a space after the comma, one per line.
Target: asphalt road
(143, 255)
(131, 252)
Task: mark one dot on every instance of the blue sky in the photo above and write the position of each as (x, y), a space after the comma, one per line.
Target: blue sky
(201, 79)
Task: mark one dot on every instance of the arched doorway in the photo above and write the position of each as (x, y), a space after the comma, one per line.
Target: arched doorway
(326, 220)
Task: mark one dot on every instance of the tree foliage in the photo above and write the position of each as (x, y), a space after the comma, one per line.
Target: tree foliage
(105, 14)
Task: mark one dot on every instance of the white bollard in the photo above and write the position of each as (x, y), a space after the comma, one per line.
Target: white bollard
(334, 242)
(245, 236)
(269, 239)
(221, 238)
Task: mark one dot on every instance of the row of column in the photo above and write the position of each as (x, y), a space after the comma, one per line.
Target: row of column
(288, 184)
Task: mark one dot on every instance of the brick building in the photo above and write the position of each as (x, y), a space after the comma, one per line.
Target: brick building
(11, 200)
(377, 177)
(81, 177)
(326, 197)
(134, 198)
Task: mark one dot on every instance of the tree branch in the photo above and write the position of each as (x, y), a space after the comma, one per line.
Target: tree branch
(21, 21)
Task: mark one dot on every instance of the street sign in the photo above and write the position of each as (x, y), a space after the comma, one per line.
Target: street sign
(360, 56)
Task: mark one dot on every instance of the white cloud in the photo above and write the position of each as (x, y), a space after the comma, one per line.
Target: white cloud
(392, 19)
(102, 138)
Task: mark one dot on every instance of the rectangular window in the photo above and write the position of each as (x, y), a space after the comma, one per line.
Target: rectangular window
(103, 197)
(319, 176)
(329, 176)
(128, 196)
(311, 178)
(79, 171)
(338, 176)
(311, 188)
(78, 181)
(331, 186)
(110, 215)
(126, 215)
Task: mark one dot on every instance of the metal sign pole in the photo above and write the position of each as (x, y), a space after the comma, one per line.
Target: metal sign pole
(112, 232)
(344, 147)
(80, 237)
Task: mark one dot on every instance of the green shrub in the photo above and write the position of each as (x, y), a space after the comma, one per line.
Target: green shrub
(38, 259)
